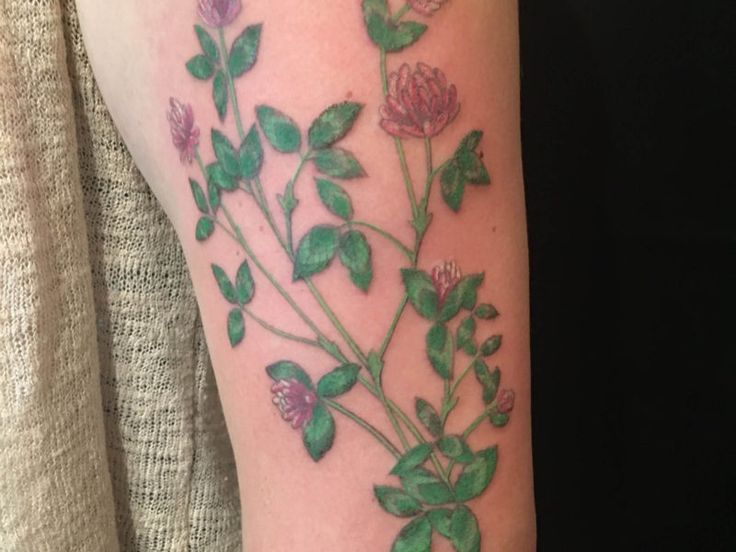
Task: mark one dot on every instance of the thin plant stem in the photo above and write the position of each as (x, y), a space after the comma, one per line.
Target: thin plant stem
(380, 437)
(430, 173)
(411, 426)
(392, 328)
(240, 239)
(336, 322)
(408, 184)
(408, 253)
(263, 203)
(462, 375)
(230, 84)
(279, 332)
(290, 189)
(470, 429)
(401, 12)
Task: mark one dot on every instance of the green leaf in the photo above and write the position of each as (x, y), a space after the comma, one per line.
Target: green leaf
(488, 380)
(319, 433)
(421, 292)
(287, 201)
(199, 198)
(412, 458)
(465, 335)
(200, 67)
(422, 221)
(471, 140)
(286, 370)
(468, 287)
(220, 177)
(486, 311)
(386, 33)
(339, 381)
(333, 124)
(414, 537)
(470, 163)
(355, 255)
(396, 502)
(250, 155)
(205, 228)
(466, 167)
(440, 519)
(244, 284)
(226, 286)
(316, 251)
(477, 475)
(440, 350)
(375, 365)
(455, 448)
(280, 130)
(235, 327)
(499, 419)
(426, 487)
(338, 163)
(490, 345)
(429, 417)
(452, 186)
(220, 94)
(225, 153)
(213, 195)
(244, 52)
(335, 199)
(464, 533)
(472, 168)
(208, 45)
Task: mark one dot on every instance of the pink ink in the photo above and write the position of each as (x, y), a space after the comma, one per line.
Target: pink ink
(419, 104)
(184, 133)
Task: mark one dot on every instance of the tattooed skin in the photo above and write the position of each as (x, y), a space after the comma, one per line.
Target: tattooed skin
(437, 474)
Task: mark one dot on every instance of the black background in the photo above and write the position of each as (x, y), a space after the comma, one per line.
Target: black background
(628, 126)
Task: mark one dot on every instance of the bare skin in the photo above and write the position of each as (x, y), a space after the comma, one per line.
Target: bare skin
(313, 467)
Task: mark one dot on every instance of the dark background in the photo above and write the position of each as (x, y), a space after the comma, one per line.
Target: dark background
(628, 125)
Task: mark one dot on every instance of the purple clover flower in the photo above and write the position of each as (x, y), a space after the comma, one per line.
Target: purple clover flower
(295, 401)
(184, 133)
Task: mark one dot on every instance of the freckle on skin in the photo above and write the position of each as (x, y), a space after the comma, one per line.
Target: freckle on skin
(349, 94)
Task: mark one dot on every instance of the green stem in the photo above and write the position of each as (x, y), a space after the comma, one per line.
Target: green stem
(408, 253)
(474, 425)
(336, 322)
(281, 333)
(470, 429)
(240, 239)
(230, 85)
(380, 437)
(401, 12)
(290, 192)
(462, 375)
(202, 168)
(399, 144)
(392, 328)
(420, 438)
(266, 210)
(430, 173)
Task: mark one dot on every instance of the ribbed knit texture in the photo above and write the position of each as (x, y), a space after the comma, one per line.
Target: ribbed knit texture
(111, 432)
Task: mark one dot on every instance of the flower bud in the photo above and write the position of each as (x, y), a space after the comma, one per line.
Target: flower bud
(505, 401)
(426, 7)
(184, 133)
(219, 13)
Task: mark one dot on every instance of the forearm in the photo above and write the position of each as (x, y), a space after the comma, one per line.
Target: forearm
(363, 216)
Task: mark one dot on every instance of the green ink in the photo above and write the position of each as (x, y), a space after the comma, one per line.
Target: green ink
(419, 105)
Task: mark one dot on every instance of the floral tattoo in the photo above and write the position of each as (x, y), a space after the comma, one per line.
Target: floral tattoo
(437, 473)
